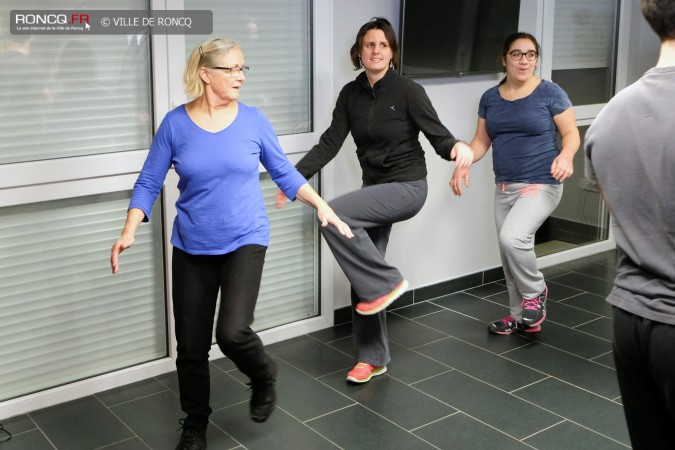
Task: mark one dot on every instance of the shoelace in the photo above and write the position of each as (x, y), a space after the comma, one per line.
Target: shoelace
(508, 320)
(531, 303)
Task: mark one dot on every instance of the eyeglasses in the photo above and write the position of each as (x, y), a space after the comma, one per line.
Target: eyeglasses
(517, 55)
(233, 72)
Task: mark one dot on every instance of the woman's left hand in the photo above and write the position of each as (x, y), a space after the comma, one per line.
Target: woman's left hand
(562, 167)
(462, 154)
(327, 216)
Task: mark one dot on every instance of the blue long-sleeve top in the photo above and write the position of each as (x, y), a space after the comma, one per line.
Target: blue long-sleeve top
(220, 206)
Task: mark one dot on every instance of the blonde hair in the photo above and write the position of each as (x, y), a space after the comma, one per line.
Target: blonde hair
(204, 55)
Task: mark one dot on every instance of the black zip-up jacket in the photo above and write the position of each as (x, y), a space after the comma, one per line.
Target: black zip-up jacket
(385, 122)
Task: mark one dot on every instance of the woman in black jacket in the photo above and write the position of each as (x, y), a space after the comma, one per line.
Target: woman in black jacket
(385, 113)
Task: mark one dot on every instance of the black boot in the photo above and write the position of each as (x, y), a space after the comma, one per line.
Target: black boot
(193, 437)
(264, 396)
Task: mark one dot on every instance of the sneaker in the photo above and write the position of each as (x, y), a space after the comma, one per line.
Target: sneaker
(363, 372)
(534, 309)
(380, 304)
(264, 396)
(508, 325)
(193, 436)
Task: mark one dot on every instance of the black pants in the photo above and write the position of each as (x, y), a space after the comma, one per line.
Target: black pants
(645, 367)
(196, 281)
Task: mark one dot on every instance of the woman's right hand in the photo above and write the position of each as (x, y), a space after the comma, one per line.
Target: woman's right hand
(123, 243)
(459, 175)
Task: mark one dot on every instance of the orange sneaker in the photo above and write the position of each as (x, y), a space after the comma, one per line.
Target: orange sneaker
(380, 304)
(363, 372)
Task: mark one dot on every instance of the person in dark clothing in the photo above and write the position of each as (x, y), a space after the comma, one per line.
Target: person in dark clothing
(630, 156)
(385, 113)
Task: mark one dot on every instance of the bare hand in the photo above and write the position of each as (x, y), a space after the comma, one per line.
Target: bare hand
(118, 247)
(280, 199)
(462, 154)
(458, 176)
(327, 216)
(562, 168)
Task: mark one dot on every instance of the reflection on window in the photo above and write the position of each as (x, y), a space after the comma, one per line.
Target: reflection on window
(584, 53)
(275, 37)
(68, 95)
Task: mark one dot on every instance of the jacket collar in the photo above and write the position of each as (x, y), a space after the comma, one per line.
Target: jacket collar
(362, 79)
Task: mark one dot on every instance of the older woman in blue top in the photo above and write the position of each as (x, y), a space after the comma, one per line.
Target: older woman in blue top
(221, 231)
(521, 118)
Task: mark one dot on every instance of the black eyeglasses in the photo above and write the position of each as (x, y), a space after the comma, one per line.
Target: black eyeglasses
(233, 72)
(517, 55)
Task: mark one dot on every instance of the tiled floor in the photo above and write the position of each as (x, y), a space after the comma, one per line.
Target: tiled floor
(451, 385)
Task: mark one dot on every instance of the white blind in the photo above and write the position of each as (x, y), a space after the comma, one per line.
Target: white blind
(63, 316)
(67, 95)
(275, 38)
(583, 34)
(290, 289)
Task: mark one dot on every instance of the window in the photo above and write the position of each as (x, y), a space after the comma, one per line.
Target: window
(584, 53)
(275, 38)
(66, 96)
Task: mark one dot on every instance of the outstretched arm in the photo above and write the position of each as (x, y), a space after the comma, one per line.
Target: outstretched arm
(479, 146)
(324, 212)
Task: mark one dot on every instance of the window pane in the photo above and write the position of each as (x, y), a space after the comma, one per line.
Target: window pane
(64, 316)
(72, 96)
(275, 38)
(584, 49)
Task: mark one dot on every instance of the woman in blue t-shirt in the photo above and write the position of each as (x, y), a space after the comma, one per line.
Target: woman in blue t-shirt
(221, 230)
(521, 119)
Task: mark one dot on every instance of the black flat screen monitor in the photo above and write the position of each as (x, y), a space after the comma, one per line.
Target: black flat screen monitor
(454, 38)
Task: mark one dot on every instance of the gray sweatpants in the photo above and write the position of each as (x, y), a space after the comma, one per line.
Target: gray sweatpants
(520, 209)
(370, 213)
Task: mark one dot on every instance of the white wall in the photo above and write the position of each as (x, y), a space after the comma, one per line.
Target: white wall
(451, 236)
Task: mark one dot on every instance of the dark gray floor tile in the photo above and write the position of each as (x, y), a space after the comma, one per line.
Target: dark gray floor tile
(58, 423)
(596, 413)
(396, 401)
(501, 298)
(333, 333)
(473, 331)
(481, 364)
(559, 290)
(359, 428)
(606, 360)
(410, 366)
(311, 356)
(28, 440)
(602, 328)
(346, 346)
(129, 444)
(224, 364)
(567, 315)
(487, 290)
(596, 304)
(410, 333)
(472, 306)
(417, 310)
(488, 404)
(570, 368)
(568, 435)
(553, 271)
(303, 396)
(460, 432)
(131, 392)
(571, 340)
(585, 283)
(281, 431)
(19, 424)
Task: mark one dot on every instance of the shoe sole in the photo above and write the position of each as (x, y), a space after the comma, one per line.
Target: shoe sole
(374, 373)
(535, 329)
(393, 297)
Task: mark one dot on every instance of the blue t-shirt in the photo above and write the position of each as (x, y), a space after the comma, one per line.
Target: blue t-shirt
(524, 135)
(220, 207)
